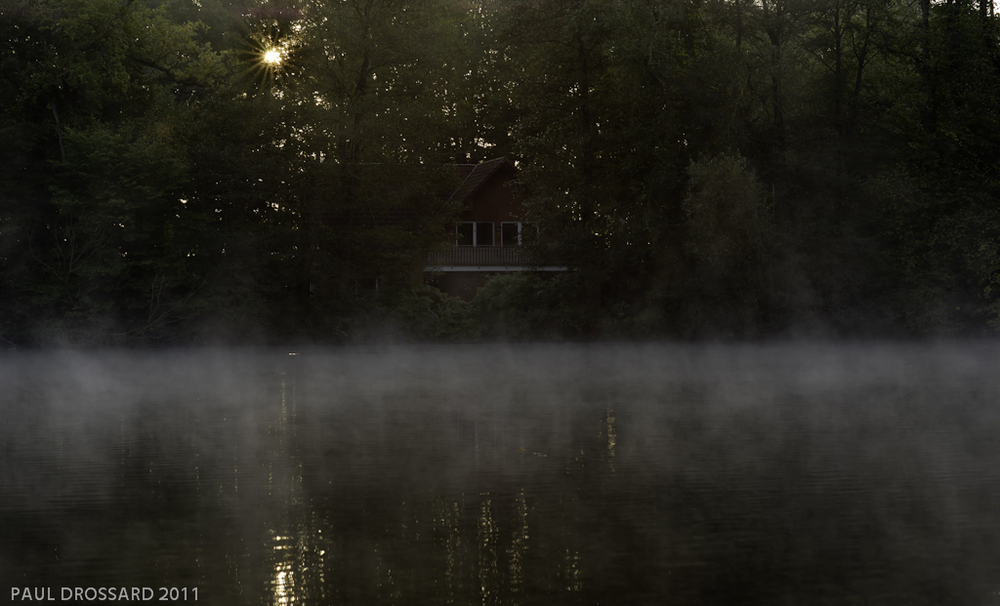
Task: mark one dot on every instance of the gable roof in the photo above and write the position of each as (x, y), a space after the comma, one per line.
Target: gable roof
(479, 174)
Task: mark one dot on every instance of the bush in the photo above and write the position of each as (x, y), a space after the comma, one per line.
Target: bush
(527, 306)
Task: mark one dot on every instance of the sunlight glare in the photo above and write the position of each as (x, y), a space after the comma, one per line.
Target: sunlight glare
(272, 56)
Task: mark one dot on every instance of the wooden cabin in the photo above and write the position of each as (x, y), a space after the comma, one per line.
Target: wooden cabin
(489, 238)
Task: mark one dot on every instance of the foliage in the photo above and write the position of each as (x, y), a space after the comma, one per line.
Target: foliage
(418, 313)
(527, 307)
(726, 168)
(730, 240)
(941, 229)
(94, 230)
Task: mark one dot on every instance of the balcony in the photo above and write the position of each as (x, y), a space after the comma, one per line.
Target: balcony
(485, 258)
(502, 258)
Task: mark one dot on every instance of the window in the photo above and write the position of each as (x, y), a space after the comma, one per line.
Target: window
(466, 233)
(484, 234)
(478, 233)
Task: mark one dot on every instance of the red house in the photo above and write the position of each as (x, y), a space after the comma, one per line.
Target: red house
(488, 239)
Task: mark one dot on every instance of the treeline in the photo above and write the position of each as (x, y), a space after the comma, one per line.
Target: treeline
(179, 171)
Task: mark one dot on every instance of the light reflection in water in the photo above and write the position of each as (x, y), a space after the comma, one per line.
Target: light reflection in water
(515, 553)
(488, 569)
(292, 547)
(493, 569)
(284, 576)
(449, 523)
(574, 581)
(610, 430)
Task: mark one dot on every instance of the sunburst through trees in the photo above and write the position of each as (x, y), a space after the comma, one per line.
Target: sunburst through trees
(270, 48)
(272, 57)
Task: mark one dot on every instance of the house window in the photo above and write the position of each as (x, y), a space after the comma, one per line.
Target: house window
(484, 234)
(479, 233)
(466, 234)
(510, 233)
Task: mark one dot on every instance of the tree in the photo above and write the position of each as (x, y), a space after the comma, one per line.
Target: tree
(606, 115)
(92, 214)
(943, 227)
(366, 96)
(730, 240)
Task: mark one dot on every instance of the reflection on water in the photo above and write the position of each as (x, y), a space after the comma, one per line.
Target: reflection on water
(711, 475)
(291, 545)
(609, 433)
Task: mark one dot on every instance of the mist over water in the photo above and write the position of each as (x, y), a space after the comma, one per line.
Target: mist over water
(780, 474)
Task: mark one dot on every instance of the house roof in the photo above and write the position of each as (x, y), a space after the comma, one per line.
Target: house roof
(474, 178)
(478, 175)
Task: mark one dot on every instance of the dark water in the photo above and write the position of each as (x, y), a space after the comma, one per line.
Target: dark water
(478, 475)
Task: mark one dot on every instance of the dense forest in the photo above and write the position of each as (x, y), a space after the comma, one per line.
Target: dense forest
(706, 168)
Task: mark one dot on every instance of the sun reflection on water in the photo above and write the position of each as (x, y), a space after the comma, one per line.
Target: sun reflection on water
(292, 546)
(284, 584)
(612, 437)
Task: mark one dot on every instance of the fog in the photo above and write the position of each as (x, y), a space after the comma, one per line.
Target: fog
(753, 474)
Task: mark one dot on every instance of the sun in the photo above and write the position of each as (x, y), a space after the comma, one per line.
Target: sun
(272, 57)
(269, 52)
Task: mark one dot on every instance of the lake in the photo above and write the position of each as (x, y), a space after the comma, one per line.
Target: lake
(655, 474)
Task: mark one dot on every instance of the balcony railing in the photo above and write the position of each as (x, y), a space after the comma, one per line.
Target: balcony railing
(479, 255)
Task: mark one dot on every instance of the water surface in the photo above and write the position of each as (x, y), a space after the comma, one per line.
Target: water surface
(863, 474)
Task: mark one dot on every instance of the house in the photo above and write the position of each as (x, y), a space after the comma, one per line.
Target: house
(489, 238)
